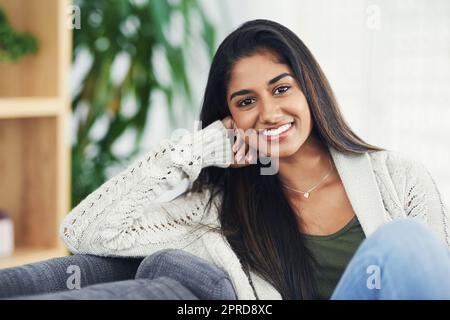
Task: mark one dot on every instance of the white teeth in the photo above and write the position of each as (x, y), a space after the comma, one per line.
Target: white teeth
(277, 131)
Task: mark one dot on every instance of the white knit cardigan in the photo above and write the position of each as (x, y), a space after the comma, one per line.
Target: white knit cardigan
(123, 217)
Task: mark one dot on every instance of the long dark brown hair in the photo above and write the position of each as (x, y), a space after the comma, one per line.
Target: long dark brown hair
(255, 214)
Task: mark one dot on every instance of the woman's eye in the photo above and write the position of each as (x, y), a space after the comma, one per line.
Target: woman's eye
(241, 103)
(247, 101)
(286, 88)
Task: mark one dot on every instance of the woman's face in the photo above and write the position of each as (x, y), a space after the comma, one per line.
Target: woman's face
(262, 94)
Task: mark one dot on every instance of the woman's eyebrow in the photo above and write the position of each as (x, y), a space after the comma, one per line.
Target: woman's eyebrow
(271, 81)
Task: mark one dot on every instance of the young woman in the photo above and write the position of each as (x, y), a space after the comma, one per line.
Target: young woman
(319, 226)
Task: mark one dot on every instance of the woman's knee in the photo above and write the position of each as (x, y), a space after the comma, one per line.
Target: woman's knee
(203, 278)
(175, 260)
(404, 237)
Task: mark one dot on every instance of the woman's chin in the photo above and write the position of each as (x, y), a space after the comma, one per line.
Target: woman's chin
(281, 152)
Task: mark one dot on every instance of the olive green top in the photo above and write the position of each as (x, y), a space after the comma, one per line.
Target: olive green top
(332, 254)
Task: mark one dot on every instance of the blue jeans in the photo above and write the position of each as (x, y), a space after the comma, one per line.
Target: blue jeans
(402, 259)
(165, 275)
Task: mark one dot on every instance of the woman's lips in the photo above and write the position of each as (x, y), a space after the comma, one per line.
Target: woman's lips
(280, 136)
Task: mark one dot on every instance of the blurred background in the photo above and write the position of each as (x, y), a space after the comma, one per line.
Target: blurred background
(87, 86)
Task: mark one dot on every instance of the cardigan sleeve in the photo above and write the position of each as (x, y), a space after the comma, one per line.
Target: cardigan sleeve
(122, 216)
(423, 200)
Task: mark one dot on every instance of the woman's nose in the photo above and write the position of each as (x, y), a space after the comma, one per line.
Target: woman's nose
(269, 113)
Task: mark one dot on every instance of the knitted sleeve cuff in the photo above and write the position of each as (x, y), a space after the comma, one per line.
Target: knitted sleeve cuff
(217, 145)
(210, 146)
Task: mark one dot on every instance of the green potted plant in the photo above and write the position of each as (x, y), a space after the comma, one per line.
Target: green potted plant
(137, 30)
(13, 44)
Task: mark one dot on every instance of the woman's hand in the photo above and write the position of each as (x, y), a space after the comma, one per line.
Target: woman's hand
(243, 153)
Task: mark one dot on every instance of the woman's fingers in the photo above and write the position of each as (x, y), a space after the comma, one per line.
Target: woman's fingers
(237, 143)
(243, 153)
(239, 148)
(251, 155)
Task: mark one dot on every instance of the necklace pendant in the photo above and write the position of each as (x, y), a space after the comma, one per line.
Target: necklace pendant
(306, 194)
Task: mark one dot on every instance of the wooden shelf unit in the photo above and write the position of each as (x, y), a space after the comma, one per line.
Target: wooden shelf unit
(20, 108)
(34, 134)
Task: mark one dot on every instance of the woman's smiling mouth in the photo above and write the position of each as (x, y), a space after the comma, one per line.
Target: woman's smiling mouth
(277, 133)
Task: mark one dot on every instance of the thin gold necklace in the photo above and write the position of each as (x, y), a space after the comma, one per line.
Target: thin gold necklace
(308, 192)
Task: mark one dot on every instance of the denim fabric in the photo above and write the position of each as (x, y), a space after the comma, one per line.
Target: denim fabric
(410, 262)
